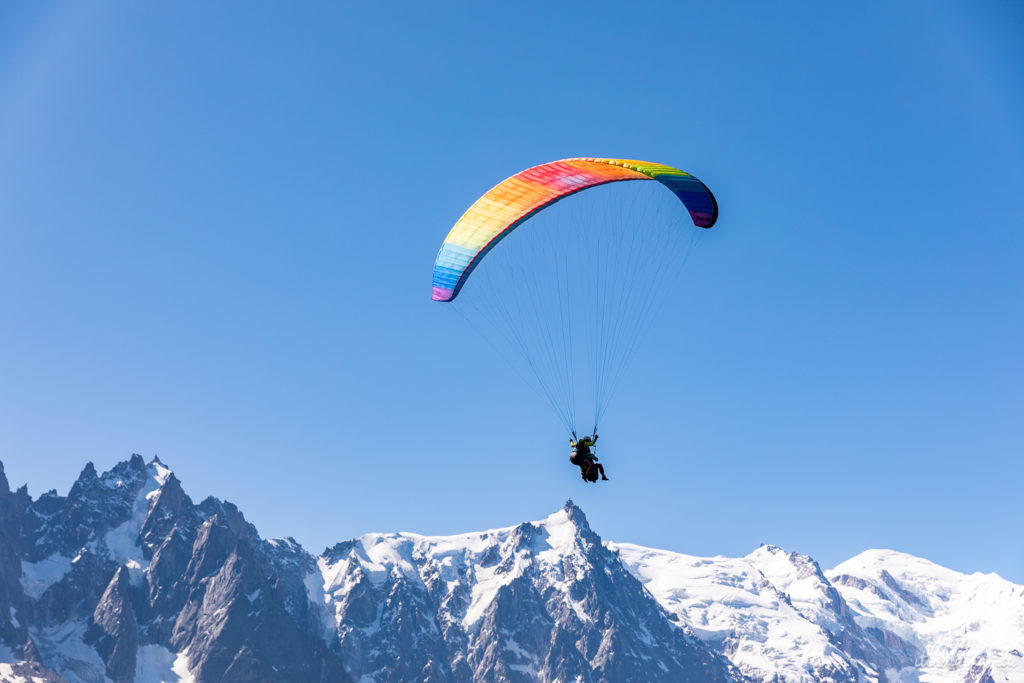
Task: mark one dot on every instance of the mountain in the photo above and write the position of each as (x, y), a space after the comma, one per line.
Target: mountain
(774, 614)
(963, 626)
(882, 615)
(126, 578)
(543, 600)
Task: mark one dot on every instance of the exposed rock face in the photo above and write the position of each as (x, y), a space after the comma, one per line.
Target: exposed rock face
(126, 573)
(12, 599)
(113, 631)
(542, 600)
(127, 579)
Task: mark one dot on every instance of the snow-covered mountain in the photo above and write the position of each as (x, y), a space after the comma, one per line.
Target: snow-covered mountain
(126, 579)
(539, 601)
(882, 615)
(774, 614)
(963, 626)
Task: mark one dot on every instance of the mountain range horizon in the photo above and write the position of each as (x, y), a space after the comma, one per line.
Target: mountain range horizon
(126, 579)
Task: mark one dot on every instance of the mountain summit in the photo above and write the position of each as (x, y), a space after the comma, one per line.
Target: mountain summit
(126, 578)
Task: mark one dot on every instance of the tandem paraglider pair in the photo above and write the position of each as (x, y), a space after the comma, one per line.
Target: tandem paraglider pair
(571, 297)
(584, 458)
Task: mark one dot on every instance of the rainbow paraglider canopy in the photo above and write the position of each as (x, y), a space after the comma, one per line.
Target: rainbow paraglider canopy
(508, 204)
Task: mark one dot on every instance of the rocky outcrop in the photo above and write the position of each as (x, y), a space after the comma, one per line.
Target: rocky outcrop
(127, 561)
(113, 631)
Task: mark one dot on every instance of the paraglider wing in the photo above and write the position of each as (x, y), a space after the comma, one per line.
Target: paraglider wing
(514, 200)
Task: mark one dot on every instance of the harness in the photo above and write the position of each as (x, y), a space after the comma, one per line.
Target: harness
(581, 450)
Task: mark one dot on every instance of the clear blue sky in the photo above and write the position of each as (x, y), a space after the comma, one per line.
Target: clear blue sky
(218, 223)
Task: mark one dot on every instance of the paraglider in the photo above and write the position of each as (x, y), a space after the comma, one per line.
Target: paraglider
(571, 296)
(584, 458)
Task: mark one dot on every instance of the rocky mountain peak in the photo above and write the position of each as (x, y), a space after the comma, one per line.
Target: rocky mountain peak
(575, 515)
(88, 472)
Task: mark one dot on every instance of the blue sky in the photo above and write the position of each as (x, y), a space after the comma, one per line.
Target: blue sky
(218, 223)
